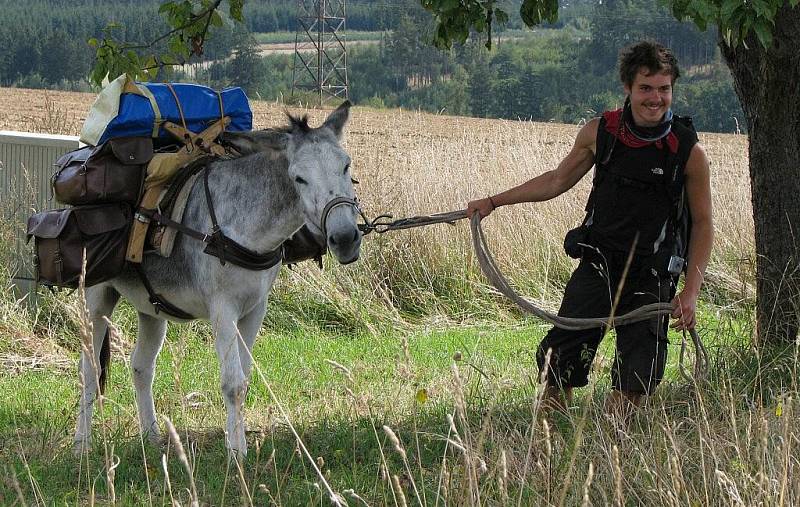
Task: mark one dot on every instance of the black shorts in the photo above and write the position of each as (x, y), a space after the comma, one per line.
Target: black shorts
(641, 349)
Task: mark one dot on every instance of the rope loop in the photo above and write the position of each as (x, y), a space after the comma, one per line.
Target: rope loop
(384, 223)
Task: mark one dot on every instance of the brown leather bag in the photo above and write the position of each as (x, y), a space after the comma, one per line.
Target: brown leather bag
(62, 235)
(111, 172)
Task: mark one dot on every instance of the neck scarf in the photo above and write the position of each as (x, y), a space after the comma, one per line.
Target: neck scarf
(620, 124)
(646, 134)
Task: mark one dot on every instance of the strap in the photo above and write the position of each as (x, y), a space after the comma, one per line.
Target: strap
(216, 233)
(159, 303)
(144, 215)
(241, 256)
(221, 110)
(178, 103)
(154, 104)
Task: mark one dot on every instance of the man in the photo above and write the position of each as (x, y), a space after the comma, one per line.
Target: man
(644, 160)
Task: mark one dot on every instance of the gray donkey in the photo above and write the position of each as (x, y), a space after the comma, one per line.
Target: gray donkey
(286, 178)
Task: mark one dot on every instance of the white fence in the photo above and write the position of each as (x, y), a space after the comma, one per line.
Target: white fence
(26, 166)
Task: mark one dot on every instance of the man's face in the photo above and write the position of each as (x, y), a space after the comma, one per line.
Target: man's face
(651, 97)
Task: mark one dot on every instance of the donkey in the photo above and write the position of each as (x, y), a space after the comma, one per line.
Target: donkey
(286, 178)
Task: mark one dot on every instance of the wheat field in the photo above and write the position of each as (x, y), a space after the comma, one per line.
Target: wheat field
(411, 163)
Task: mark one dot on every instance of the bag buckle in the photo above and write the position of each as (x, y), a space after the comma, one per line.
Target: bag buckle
(141, 217)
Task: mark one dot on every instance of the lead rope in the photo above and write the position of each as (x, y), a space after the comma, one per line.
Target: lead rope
(488, 266)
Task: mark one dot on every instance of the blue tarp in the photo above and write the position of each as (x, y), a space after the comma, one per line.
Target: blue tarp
(135, 115)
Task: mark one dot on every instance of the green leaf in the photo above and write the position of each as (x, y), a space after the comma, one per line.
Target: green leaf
(534, 12)
(763, 31)
(794, 3)
(92, 42)
(176, 46)
(500, 16)
(216, 19)
(236, 10)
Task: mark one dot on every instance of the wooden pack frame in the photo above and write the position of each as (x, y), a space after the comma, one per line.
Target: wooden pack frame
(163, 167)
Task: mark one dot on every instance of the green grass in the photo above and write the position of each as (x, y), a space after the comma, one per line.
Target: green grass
(497, 364)
(38, 414)
(396, 321)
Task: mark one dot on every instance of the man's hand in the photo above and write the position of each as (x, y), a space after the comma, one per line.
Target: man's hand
(685, 307)
(482, 206)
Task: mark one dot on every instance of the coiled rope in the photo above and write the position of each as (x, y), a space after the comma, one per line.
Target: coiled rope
(489, 268)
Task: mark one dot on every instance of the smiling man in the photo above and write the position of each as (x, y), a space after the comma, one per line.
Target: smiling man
(650, 188)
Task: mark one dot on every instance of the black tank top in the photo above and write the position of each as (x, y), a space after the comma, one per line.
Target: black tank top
(634, 192)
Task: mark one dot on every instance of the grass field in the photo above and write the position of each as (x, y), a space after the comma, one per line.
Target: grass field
(410, 339)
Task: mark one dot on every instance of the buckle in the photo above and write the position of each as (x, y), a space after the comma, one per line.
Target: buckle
(142, 218)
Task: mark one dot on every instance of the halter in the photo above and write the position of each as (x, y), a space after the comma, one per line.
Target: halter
(333, 203)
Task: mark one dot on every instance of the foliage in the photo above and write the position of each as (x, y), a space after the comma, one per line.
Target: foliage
(456, 19)
(188, 21)
(736, 19)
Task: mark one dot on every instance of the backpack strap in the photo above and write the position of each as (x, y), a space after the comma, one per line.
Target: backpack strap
(679, 227)
(604, 146)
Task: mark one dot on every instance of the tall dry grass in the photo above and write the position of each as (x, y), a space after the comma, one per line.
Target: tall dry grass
(411, 163)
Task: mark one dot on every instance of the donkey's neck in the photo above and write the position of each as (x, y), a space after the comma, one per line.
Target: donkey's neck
(255, 201)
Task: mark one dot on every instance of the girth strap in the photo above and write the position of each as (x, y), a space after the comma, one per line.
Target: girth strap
(159, 303)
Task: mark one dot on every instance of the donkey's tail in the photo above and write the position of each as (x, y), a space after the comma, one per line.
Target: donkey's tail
(105, 359)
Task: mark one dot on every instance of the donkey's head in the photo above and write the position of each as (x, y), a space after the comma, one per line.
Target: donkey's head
(320, 172)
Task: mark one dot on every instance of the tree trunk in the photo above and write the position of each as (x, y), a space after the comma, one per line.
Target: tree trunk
(768, 85)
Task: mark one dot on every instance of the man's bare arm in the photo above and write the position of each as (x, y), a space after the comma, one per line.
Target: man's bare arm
(698, 192)
(552, 183)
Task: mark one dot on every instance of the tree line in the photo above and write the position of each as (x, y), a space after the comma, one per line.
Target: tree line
(565, 73)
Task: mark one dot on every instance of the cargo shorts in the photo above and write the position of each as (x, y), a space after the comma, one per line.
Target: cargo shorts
(641, 347)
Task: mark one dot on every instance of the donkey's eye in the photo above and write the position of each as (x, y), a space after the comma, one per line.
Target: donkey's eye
(300, 180)
(346, 168)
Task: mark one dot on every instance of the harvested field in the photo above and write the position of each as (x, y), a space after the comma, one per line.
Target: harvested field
(412, 163)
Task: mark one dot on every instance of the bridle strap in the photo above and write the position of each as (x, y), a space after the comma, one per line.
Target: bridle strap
(333, 203)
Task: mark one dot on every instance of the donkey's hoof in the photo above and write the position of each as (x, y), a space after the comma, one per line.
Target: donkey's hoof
(237, 456)
(81, 447)
(154, 439)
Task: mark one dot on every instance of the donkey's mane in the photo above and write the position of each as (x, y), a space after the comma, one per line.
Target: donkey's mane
(296, 124)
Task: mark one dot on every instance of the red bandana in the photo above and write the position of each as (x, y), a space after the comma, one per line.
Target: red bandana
(613, 119)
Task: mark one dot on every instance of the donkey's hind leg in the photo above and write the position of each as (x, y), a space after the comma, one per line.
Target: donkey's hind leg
(149, 341)
(100, 302)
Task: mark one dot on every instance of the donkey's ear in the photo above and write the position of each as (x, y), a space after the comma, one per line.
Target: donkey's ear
(256, 141)
(338, 118)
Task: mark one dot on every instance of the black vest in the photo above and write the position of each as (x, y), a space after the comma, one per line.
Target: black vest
(636, 192)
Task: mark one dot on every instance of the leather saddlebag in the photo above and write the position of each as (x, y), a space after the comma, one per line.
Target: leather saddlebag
(111, 172)
(62, 235)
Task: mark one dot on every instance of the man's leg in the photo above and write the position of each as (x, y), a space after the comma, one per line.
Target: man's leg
(556, 399)
(565, 357)
(641, 347)
(621, 404)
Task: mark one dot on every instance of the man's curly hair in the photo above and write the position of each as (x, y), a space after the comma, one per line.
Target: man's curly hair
(649, 55)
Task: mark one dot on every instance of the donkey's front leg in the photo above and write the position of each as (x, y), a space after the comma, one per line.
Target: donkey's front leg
(100, 302)
(249, 326)
(152, 332)
(232, 378)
